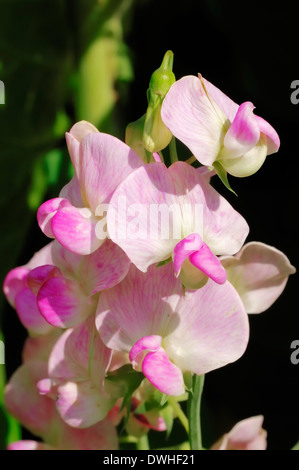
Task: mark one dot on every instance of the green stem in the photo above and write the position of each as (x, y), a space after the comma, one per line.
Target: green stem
(172, 151)
(179, 413)
(194, 403)
(142, 443)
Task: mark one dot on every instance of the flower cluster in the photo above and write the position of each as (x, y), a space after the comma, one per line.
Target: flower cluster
(148, 281)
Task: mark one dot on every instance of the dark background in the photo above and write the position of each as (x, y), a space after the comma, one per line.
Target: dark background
(250, 51)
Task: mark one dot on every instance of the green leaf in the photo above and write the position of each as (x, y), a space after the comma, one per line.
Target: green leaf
(222, 173)
(167, 415)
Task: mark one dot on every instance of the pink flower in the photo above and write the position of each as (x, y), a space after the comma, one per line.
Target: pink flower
(60, 288)
(216, 129)
(167, 333)
(245, 435)
(159, 212)
(259, 273)
(77, 367)
(38, 413)
(77, 217)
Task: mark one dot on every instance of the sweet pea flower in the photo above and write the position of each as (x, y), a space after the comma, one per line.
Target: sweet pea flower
(38, 413)
(60, 288)
(77, 217)
(179, 215)
(77, 367)
(167, 333)
(217, 130)
(259, 273)
(248, 434)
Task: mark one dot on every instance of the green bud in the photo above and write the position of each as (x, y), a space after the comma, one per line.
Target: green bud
(162, 78)
(156, 136)
(134, 139)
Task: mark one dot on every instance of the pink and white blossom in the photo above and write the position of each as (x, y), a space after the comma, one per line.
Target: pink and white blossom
(175, 212)
(101, 163)
(216, 129)
(167, 333)
(60, 288)
(248, 434)
(75, 378)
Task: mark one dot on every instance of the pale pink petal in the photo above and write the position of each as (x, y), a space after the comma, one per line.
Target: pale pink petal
(273, 140)
(212, 330)
(74, 137)
(80, 354)
(29, 445)
(245, 435)
(206, 172)
(141, 305)
(246, 430)
(81, 405)
(221, 227)
(82, 129)
(228, 106)
(29, 314)
(105, 162)
(184, 249)
(243, 134)
(194, 118)
(145, 344)
(104, 268)
(259, 273)
(209, 264)
(201, 330)
(23, 401)
(163, 374)
(14, 282)
(73, 145)
(75, 229)
(63, 304)
(137, 211)
(46, 213)
(71, 192)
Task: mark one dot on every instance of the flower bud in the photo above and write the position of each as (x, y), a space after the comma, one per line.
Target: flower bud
(156, 136)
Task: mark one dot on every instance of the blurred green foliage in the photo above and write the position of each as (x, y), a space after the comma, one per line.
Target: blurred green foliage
(60, 62)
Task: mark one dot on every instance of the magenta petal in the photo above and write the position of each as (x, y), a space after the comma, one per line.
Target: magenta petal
(75, 229)
(29, 313)
(14, 283)
(62, 304)
(38, 276)
(46, 213)
(209, 264)
(184, 249)
(148, 343)
(71, 192)
(243, 134)
(163, 374)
